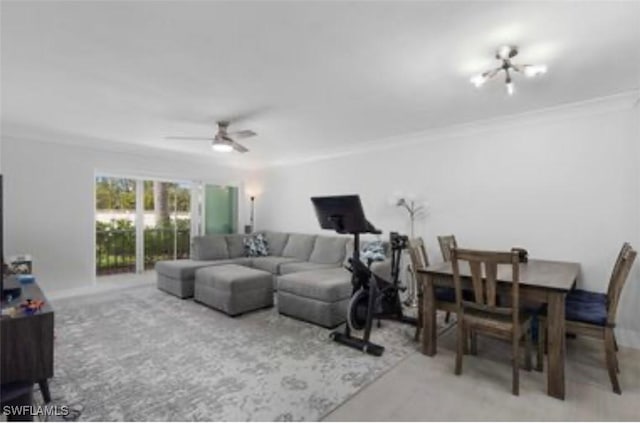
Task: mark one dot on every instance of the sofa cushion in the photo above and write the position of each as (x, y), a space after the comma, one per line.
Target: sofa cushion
(299, 246)
(186, 269)
(209, 247)
(271, 264)
(234, 278)
(235, 245)
(326, 285)
(303, 266)
(328, 250)
(276, 242)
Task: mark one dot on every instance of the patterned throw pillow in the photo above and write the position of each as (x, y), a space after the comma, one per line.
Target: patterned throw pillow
(373, 251)
(256, 245)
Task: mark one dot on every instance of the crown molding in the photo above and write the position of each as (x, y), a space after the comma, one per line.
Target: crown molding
(595, 106)
(69, 140)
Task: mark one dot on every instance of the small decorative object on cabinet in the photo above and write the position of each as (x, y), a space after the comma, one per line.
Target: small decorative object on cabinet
(21, 265)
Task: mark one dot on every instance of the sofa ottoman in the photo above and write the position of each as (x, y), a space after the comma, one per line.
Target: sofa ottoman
(233, 289)
(318, 296)
(177, 276)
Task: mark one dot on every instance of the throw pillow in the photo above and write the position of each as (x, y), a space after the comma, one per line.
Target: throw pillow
(256, 245)
(373, 251)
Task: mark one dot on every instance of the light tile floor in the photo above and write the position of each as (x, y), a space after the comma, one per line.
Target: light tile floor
(425, 388)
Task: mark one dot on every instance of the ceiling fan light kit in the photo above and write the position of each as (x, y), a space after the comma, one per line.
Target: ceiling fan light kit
(505, 54)
(221, 147)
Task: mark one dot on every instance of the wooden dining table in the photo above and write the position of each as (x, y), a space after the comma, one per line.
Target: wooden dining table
(541, 281)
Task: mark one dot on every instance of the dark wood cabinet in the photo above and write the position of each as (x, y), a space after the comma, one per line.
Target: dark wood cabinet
(26, 352)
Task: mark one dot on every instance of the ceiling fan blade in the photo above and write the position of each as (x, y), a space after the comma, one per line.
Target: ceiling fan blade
(190, 138)
(241, 116)
(242, 134)
(239, 147)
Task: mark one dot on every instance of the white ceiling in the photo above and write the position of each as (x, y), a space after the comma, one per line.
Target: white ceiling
(315, 77)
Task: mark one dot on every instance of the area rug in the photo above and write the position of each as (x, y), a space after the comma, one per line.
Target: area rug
(141, 354)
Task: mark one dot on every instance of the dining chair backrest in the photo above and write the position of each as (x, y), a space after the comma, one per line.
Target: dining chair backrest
(483, 272)
(619, 276)
(418, 254)
(447, 242)
(619, 260)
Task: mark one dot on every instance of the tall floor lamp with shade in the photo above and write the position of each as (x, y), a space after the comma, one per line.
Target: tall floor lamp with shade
(249, 228)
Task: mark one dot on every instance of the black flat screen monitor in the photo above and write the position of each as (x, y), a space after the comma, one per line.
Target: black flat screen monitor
(342, 213)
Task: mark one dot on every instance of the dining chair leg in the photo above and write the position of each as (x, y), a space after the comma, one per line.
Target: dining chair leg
(528, 340)
(473, 339)
(615, 340)
(465, 346)
(416, 336)
(542, 331)
(611, 359)
(515, 363)
(460, 347)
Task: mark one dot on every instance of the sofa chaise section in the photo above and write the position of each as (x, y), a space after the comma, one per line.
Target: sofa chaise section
(177, 276)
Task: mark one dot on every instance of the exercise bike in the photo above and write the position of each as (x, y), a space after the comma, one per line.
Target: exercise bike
(373, 297)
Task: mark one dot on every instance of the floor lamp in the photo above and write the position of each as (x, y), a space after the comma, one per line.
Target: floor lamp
(249, 228)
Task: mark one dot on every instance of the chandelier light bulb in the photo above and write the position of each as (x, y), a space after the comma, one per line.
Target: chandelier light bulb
(510, 88)
(534, 70)
(478, 80)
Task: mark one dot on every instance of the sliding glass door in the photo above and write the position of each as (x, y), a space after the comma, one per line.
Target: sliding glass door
(115, 225)
(220, 209)
(167, 221)
(140, 221)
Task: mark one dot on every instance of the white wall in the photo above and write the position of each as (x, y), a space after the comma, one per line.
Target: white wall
(562, 184)
(49, 202)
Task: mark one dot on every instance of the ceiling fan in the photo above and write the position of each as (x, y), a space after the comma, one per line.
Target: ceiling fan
(223, 141)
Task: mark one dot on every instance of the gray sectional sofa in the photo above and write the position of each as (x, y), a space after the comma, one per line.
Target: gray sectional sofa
(307, 273)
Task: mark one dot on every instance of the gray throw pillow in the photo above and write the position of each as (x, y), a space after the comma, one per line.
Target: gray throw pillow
(373, 251)
(256, 245)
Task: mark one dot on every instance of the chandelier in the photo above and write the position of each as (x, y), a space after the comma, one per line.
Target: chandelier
(505, 54)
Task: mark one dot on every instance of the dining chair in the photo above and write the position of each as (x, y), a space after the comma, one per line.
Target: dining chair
(447, 242)
(445, 297)
(593, 314)
(482, 314)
